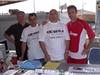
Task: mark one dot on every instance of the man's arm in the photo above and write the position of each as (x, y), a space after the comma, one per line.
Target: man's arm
(9, 38)
(23, 48)
(66, 49)
(91, 36)
(43, 47)
(88, 46)
(67, 41)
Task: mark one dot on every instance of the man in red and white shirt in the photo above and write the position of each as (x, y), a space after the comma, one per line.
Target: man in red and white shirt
(78, 29)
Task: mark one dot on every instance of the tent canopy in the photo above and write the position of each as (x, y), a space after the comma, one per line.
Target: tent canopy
(6, 2)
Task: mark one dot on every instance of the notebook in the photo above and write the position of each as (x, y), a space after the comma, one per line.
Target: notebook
(28, 64)
(52, 65)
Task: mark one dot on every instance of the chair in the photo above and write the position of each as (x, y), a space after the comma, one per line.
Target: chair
(94, 56)
(4, 48)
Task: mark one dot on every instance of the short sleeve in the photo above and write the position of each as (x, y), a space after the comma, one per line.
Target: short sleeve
(10, 30)
(42, 34)
(24, 36)
(66, 34)
(89, 30)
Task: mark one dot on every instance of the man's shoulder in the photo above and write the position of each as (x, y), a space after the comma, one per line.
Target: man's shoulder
(46, 25)
(81, 21)
(61, 23)
(27, 28)
(27, 24)
(68, 23)
(14, 25)
(17, 24)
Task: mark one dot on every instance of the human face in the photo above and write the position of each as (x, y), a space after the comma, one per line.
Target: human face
(72, 14)
(21, 17)
(33, 20)
(53, 15)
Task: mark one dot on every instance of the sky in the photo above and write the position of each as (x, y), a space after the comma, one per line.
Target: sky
(47, 5)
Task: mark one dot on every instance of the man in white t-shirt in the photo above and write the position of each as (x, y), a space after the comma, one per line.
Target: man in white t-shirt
(54, 38)
(30, 37)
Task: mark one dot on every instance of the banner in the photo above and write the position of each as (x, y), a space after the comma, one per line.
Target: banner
(98, 5)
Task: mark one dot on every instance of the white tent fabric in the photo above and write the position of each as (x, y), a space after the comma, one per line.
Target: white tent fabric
(5, 2)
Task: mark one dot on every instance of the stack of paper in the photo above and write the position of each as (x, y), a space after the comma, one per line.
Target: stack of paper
(52, 65)
(51, 72)
(28, 64)
(84, 71)
(30, 72)
(10, 72)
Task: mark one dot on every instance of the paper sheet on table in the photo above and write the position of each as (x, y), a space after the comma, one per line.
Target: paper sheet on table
(52, 65)
(29, 72)
(51, 73)
(75, 69)
(10, 72)
(84, 71)
(81, 74)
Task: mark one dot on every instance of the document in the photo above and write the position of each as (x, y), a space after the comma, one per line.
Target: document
(52, 65)
(84, 70)
(29, 72)
(10, 72)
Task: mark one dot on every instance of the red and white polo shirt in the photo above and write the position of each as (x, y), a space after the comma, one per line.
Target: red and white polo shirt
(78, 31)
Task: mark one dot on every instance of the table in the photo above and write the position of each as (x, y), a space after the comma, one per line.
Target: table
(79, 69)
(64, 70)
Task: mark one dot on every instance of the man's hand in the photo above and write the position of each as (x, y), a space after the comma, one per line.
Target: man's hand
(21, 58)
(47, 58)
(85, 51)
(66, 55)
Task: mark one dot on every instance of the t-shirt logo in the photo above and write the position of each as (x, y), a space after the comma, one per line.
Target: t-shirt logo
(54, 31)
(30, 34)
(53, 34)
(33, 33)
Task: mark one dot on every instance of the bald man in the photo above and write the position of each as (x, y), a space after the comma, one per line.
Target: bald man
(54, 38)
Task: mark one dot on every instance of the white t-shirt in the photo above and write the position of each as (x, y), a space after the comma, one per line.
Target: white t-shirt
(54, 36)
(30, 35)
